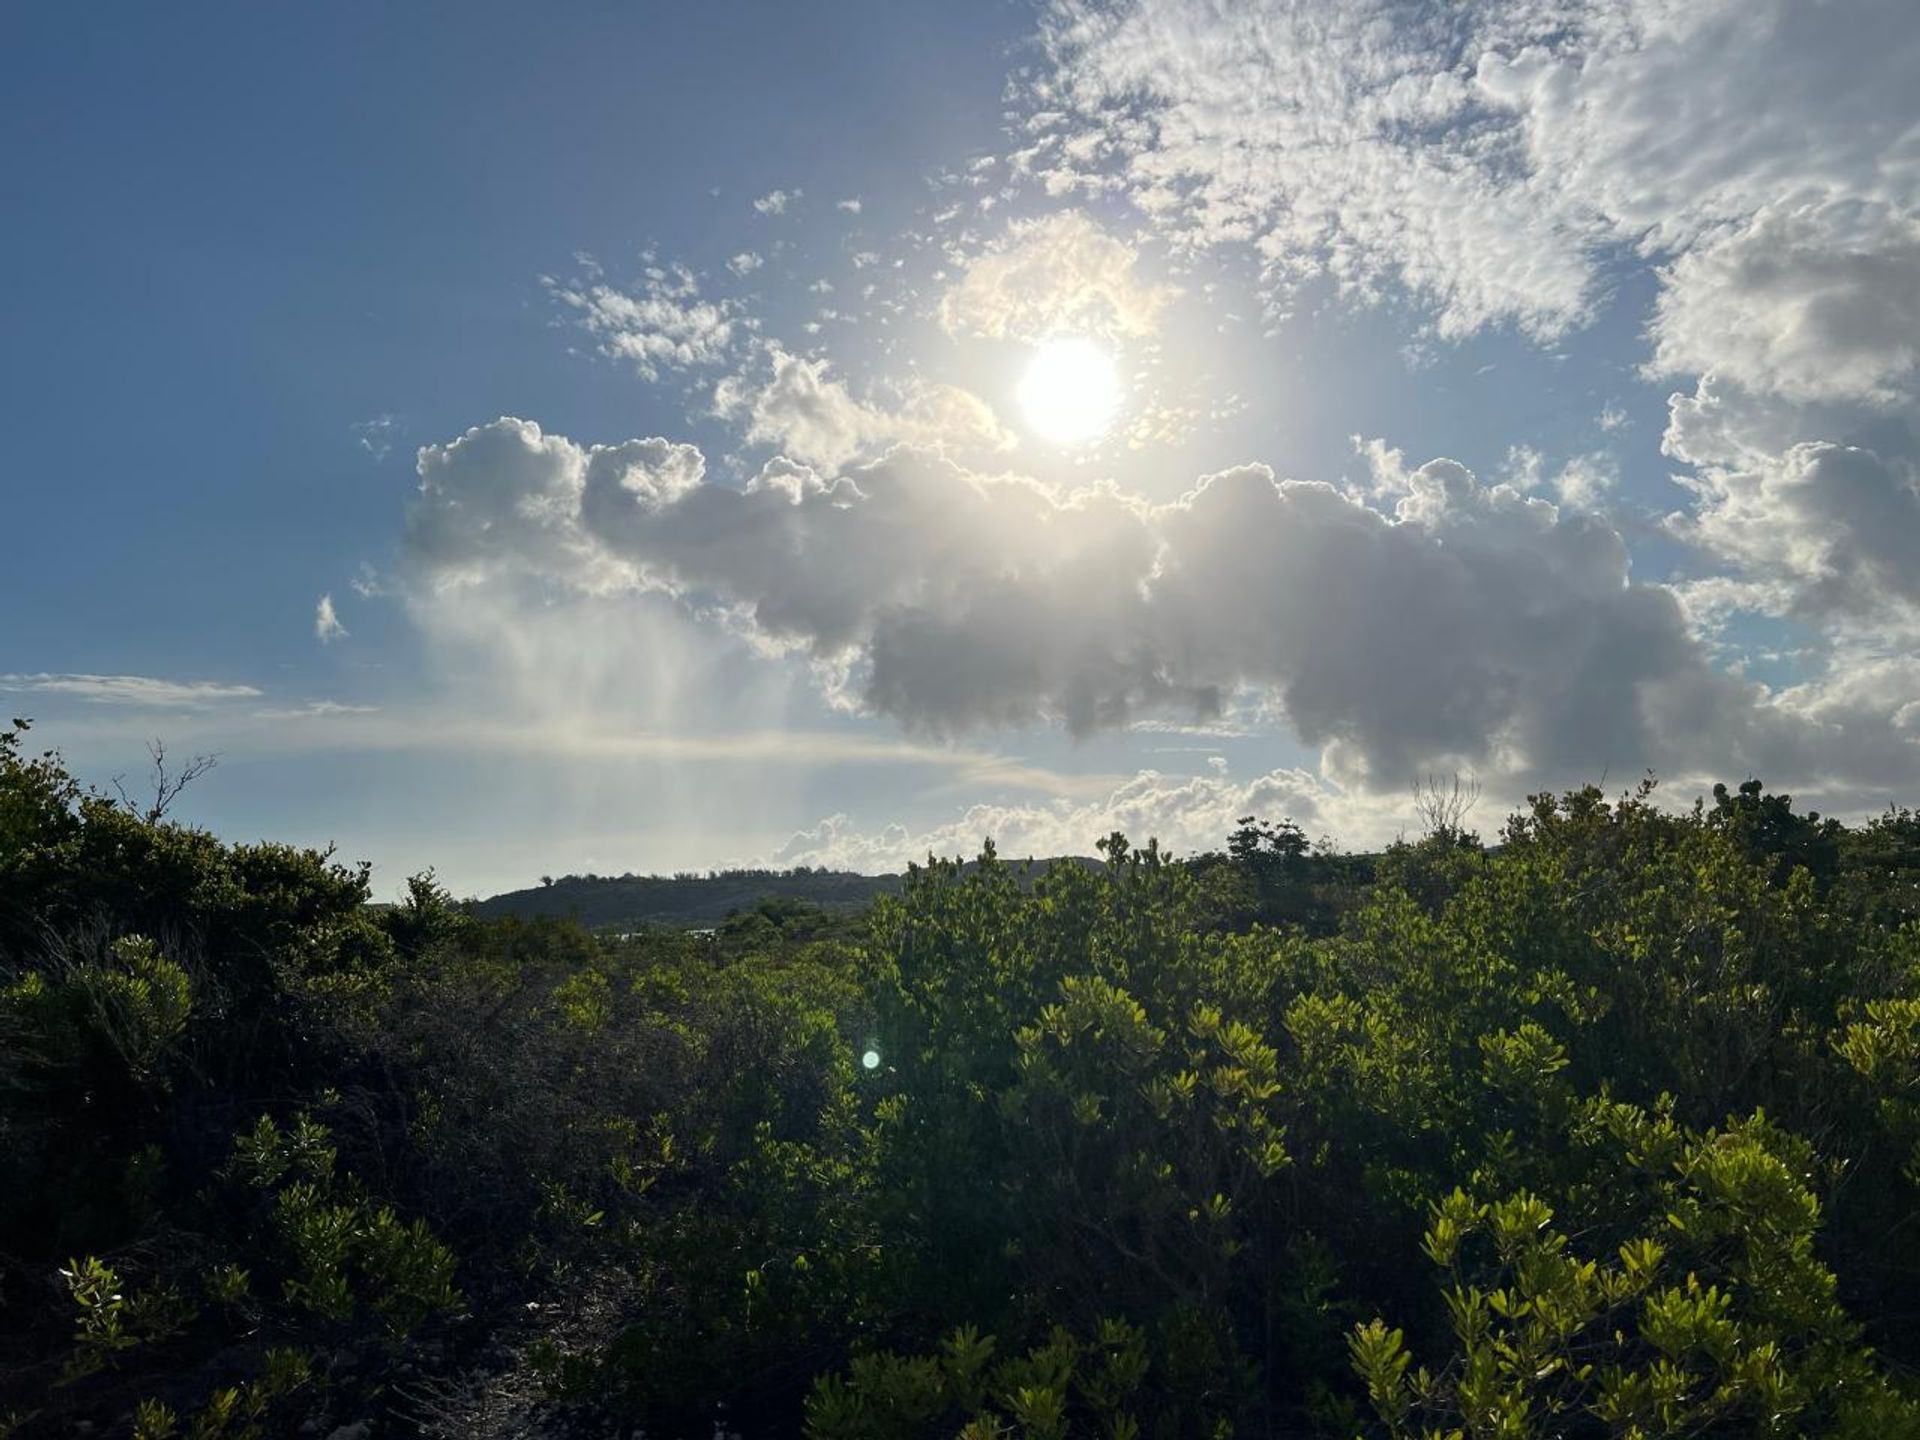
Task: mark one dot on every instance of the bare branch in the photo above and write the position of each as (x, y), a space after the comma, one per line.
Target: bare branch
(1443, 805)
(166, 787)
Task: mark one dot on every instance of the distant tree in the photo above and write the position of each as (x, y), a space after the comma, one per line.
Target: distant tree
(1444, 805)
(1267, 848)
(1766, 827)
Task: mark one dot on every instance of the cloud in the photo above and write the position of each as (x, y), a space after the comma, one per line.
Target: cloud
(775, 202)
(1187, 814)
(132, 690)
(1668, 121)
(1493, 164)
(326, 624)
(1487, 159)
(746, 262)
(503, 496)
(662, 325)
(1044, 276)
(1813, 304)
(1339, 142)
(1826, 531)
(1585, 481)
(796, 405)
(851, 205)
(315, 709)
(1451, 624)
(376, 436)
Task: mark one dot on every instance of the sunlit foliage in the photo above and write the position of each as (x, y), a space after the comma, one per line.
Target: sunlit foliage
(1608, 1127)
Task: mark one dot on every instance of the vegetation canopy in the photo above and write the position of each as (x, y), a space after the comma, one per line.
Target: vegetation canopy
(1609, 1128)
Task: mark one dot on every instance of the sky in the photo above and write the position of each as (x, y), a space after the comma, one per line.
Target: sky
(621, 437)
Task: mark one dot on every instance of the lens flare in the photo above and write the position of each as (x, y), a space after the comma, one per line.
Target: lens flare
(1070, 391)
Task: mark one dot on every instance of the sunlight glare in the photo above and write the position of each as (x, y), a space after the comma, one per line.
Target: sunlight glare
(1070, 391)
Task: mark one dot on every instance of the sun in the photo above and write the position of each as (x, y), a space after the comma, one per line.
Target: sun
(1070, 391)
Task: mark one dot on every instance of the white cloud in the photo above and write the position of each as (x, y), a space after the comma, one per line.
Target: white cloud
(326, 624)
(776, 202)
(798, 406)
(376, 436)
(1340, 142)
(1586, 481)
(1521, 471)
(1668, 120)
(1186, 814)
(133, 690)
(504, 496)
(746, 262)
(851, 205)
(315, 709)
(1813, 304)
(1062, 273)
(662, 325)
(1468, 627)
(1495, 162)
(1487, 158)
(1826, 531)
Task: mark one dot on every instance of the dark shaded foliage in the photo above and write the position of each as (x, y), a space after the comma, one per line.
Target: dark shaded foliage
(1610, 1129)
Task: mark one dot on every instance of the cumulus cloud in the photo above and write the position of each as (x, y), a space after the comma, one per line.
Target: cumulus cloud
(1820, 303)
(1493, 162)
(1453, 623)
(661, 325)
(1822, 531)
(797, 405)
(1058, 273)
(1186, 814)
(132, 690)
(776, 202)
(326, 623)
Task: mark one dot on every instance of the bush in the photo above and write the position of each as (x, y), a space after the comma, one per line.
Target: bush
(1607, 1129)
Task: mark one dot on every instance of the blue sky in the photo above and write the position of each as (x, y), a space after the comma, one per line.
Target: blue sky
(1578, 340)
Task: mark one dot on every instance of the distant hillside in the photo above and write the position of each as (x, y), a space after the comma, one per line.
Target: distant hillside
(629, 902)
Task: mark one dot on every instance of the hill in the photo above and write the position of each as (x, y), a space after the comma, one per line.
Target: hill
(633, 902)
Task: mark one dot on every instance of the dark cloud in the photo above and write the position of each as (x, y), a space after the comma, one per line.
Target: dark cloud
(1468, 624)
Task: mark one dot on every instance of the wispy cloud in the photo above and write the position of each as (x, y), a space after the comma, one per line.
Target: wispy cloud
(376, 436)
(326, 623)
(1042, 276)
(314, 709)
(131, 690)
